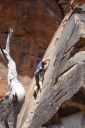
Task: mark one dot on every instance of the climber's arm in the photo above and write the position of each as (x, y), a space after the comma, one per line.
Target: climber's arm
(46, 63)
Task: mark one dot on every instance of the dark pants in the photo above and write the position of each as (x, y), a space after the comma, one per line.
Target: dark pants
(39, 76)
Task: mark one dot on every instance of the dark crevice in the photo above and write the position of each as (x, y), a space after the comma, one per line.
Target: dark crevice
(73, 52)
(76, 10)
(62, 5)
(77, 47)
(6, 123)
(60, 97)
(54, 120)
(56, 79)
(67, 111)
(57, 93)
(80, 43)
(62, 11)
(79, 96)
(57, 124)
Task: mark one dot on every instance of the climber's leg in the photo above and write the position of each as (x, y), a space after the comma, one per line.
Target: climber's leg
(41, 78)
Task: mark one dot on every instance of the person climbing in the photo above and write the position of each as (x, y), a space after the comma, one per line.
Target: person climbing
(39, 76)
(17, 90)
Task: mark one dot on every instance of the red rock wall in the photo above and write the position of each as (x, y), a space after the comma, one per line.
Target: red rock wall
(34, 24)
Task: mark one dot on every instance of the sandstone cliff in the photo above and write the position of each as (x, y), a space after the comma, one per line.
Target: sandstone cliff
(31, 34)
(63, 91)
(34, 24)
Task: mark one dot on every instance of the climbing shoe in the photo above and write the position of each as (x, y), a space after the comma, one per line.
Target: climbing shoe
(35, 95)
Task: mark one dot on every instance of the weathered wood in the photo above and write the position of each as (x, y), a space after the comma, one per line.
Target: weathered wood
(3, 54)
(14, 99)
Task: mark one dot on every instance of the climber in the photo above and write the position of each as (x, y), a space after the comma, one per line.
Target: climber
(39, 76)
(17, 90)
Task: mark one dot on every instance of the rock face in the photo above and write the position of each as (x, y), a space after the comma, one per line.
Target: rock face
(3, 83)
(63, 91)
(31, 34)
(34, 23)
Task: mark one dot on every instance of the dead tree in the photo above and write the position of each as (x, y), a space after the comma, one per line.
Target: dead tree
(17, 91)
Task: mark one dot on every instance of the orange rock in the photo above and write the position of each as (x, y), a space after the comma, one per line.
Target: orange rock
(34, 24)
(79, 1)
(3, 87)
